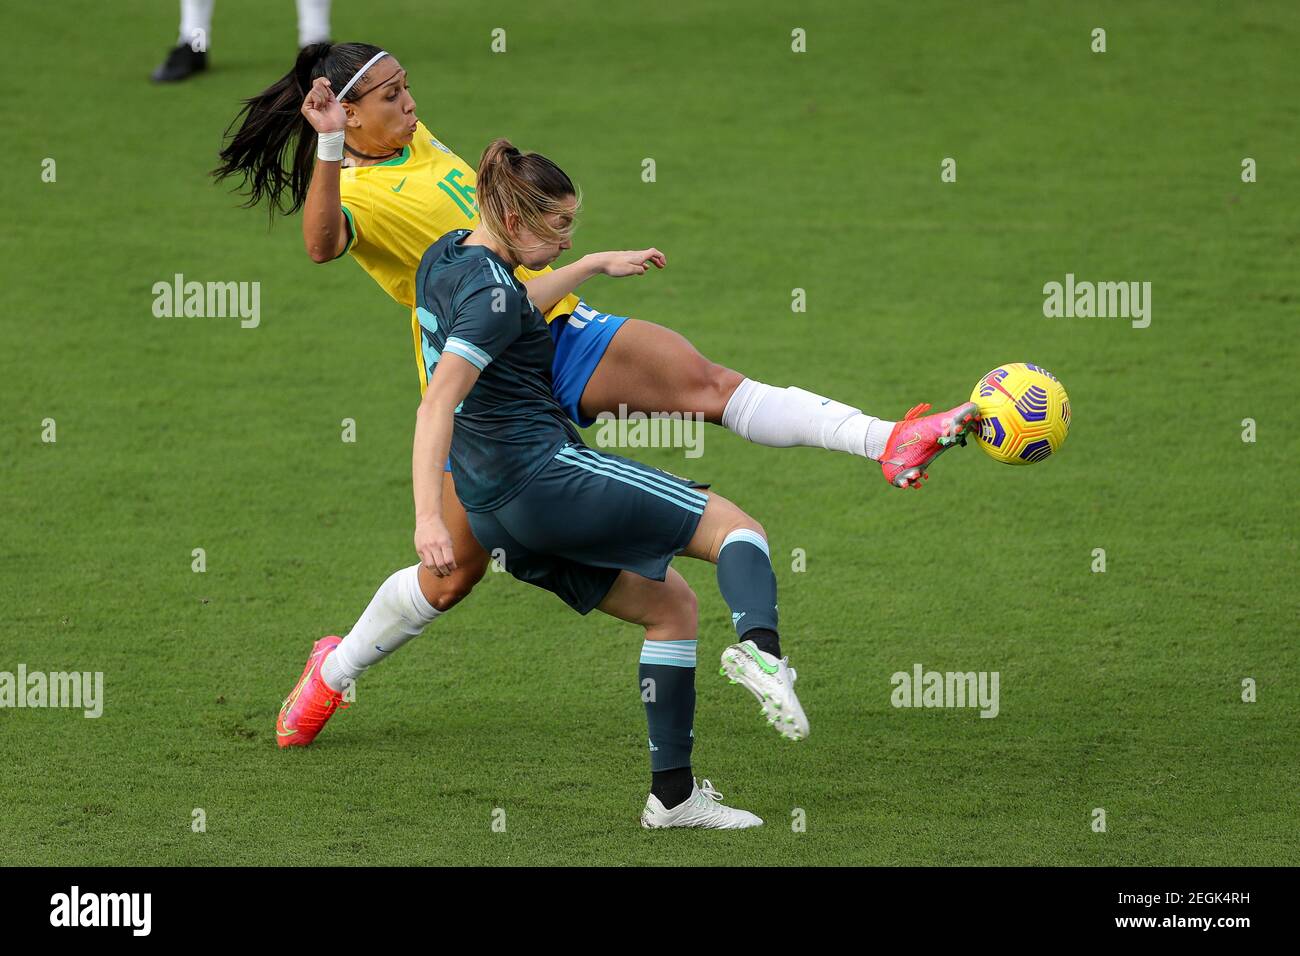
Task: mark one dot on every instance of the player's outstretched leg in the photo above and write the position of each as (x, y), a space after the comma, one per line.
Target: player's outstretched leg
(919, 439)
(405, 604)
(649, 368)
(666, 682)
(735, 542)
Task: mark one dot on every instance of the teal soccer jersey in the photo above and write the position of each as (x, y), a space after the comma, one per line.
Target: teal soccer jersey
(509, 426)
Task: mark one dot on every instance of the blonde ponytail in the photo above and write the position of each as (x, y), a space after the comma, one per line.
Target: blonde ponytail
(527, 184)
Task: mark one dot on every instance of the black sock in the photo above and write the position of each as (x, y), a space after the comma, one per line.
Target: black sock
(671, 787)
(764, 639)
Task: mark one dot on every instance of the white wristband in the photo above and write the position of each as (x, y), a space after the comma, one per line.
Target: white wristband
(329, 146)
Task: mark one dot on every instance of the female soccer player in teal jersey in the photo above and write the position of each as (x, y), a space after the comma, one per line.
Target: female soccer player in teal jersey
(598, 530)
(402, 190)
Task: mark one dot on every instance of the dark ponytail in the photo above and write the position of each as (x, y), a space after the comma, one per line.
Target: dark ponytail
(273, 150)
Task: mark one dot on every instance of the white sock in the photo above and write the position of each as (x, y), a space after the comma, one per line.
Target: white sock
(196, 23)
(397, 613)
(313, 22)
(783, 417)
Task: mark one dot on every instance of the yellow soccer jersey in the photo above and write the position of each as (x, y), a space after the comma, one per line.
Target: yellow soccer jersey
(397, 209)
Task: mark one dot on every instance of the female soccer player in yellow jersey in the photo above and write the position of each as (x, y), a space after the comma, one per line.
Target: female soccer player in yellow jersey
(375, 183)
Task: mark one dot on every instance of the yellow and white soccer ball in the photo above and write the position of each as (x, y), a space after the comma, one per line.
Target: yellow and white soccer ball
(1024, 413)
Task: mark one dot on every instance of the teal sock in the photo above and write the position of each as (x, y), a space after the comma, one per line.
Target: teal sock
(667, 683)
(747, 582)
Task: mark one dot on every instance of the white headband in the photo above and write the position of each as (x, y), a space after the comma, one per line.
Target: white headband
(360, 73)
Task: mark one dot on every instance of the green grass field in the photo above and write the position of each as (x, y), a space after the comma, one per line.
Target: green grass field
(775, 170)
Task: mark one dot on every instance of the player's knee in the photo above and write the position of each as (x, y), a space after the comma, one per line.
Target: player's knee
(738, 520)
(684, 617)
(746, 523)
(451, 590)
(713, 384)
(688, 613)
(677, 617)
(722, 518)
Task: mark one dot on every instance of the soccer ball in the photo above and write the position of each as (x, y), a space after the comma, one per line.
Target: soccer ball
(1024, 413)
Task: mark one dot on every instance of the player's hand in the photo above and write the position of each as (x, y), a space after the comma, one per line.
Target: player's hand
(322, 110)
(629, 262)
(433, 544)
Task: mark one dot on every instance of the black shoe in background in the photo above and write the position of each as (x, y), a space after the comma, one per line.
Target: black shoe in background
(181, 63)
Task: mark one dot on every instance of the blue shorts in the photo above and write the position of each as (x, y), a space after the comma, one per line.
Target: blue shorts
(580, 343)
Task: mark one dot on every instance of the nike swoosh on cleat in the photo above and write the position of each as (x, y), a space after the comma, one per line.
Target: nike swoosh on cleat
(302, 682)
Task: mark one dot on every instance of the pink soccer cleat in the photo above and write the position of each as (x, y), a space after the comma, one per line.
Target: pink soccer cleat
(311, 703)
(916, 441)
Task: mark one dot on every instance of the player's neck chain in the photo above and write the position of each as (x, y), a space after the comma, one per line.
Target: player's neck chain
(361, 155)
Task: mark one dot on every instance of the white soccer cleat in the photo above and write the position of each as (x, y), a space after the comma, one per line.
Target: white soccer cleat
(772, 682)
(701, 809)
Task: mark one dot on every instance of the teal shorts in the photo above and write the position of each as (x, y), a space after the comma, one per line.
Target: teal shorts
(587, 516)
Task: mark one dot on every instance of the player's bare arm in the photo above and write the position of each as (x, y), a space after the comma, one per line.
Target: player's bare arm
(451, 382)
(549, 288)
(324, 228)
